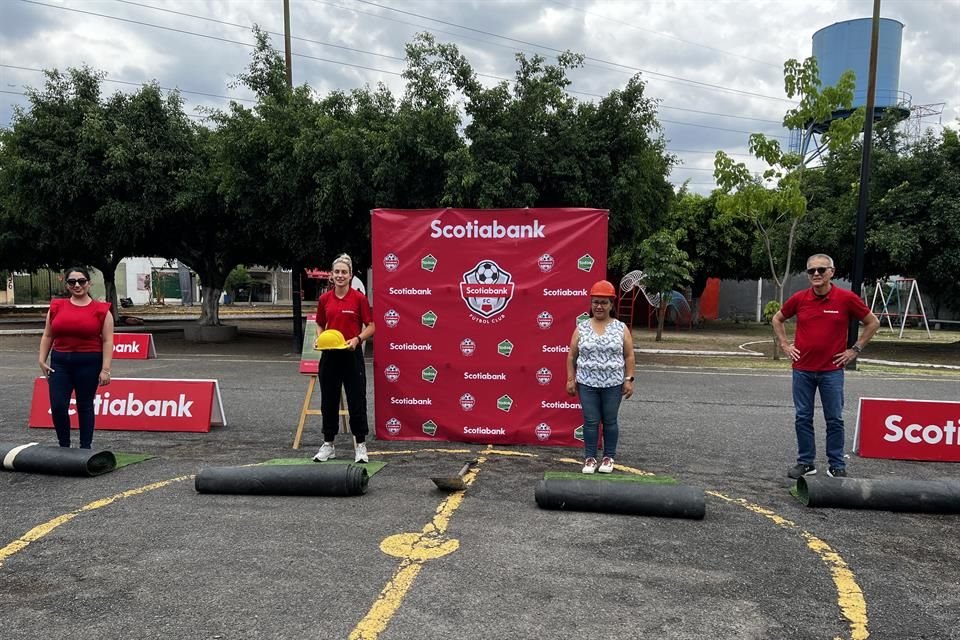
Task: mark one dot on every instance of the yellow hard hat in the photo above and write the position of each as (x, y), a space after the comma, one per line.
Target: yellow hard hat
(330, 339)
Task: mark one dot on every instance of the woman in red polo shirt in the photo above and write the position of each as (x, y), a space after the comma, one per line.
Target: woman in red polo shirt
(348, 311)
(78, 337)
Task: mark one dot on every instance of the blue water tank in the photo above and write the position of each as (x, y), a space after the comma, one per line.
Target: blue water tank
(846, 45)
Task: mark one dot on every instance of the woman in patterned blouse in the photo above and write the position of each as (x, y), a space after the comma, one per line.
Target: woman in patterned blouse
(600, 368)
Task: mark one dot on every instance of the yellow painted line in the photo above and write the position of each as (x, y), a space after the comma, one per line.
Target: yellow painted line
(850, 598)
(41, 530)
(414, 549)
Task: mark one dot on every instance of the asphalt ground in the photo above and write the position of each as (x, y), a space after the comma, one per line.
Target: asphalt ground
(162, 561)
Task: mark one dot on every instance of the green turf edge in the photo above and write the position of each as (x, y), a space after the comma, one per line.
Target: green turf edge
(371, 467)
(608, 477)
(126, 459)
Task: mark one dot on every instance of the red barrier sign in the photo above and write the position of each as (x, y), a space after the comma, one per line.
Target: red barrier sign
(908, 429)
(140, 404)
(474, 312)
(133, 346)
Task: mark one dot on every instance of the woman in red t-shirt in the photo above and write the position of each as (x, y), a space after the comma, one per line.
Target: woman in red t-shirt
(78, 337)
(348, 311)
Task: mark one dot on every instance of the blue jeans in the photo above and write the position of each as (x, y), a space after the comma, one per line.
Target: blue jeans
(78, 372)
(600, 404)
(830, 384)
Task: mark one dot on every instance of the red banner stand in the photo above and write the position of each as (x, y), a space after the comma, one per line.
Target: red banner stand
(142, 404)
(133, 346)
(903, 429)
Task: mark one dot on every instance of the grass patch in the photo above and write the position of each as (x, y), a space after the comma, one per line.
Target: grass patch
(126, 459)
(608, 477)
(371, 467)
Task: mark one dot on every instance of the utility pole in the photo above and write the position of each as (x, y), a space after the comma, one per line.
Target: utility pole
(297, 268)
(854, 329)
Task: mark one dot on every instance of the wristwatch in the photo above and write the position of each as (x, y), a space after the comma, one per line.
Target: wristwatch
(629, 379)
(856, 347)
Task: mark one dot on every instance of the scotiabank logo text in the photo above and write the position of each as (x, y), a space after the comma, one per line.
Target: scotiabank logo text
(946, 434)
(130, 347)
(410, 346)
(103, 405)
(492, 231)
(485, 431)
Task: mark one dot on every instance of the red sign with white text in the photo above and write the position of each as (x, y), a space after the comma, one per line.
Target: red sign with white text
(474, 312)
(133, 346)
(140, 404)
(908, 429)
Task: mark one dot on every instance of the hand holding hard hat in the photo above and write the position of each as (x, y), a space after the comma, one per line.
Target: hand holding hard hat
(330, 339)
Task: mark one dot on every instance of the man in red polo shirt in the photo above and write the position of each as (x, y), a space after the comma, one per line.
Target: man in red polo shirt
(819, 355)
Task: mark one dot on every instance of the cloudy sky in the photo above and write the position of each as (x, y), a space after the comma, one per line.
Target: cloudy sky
(714, 65)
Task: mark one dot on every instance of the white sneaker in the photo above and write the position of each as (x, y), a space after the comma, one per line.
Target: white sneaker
(360, 453)
(590, 465)
(606, 465)
(327, 452)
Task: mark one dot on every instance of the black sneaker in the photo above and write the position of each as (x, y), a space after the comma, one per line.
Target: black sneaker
(801, 469)
(835, 472)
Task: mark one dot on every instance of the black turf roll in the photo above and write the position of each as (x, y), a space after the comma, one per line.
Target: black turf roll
(890, 494)
(285, 480)
(632, 498)
(59, 461)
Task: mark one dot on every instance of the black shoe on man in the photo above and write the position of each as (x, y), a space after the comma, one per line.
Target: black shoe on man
(801, 469)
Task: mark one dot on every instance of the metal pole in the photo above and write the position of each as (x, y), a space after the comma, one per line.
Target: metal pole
(857, 283)
(297, 270)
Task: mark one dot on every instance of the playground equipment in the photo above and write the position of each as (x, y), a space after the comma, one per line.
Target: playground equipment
(632, 287)
(900, 288)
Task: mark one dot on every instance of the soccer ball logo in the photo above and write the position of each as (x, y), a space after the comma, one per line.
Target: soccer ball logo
(545, 320)
(543, 431)
(393, 426)
(487, 289)
(391, 318)
(467, 402)
(467, 347)
(545, 263)
(544, 376)
(392, 372)
(391, 262)
(488, 273)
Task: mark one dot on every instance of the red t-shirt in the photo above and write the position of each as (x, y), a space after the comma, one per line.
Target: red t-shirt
(77, 329)
(347, 315)
(822, 325)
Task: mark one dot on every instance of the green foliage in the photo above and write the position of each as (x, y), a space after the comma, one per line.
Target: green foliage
(238, 278)
(775, 200)
(770, 309)
(665, 268)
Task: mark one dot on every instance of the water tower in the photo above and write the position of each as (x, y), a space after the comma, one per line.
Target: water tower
(846, 45)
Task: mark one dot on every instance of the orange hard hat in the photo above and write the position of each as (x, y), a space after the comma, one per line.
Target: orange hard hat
(603, 289)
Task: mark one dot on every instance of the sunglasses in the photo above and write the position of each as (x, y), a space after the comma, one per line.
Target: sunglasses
(77, 281)
(818, 270)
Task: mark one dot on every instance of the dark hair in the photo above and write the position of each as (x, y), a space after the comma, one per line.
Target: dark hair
(83, 270)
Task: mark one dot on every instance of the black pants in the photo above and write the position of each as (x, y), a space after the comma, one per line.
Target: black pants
(78, 372)
(346, 369)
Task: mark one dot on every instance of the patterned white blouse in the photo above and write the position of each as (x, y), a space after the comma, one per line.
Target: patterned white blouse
(600, 357)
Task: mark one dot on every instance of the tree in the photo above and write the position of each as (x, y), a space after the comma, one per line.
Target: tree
(719, 246)
(89, 179)
(665, 268)
(529, 143)
(775, 199)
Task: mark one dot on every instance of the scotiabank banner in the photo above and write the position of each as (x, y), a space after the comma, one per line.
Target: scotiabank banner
(140, 404)
(474, 312)
(908, 429)
(133, 346)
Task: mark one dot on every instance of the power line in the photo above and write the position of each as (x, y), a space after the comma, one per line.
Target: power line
(661, 33)
(548, 48)
(246, 44)
(273, 33)
(140, 84)
(204, 35)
